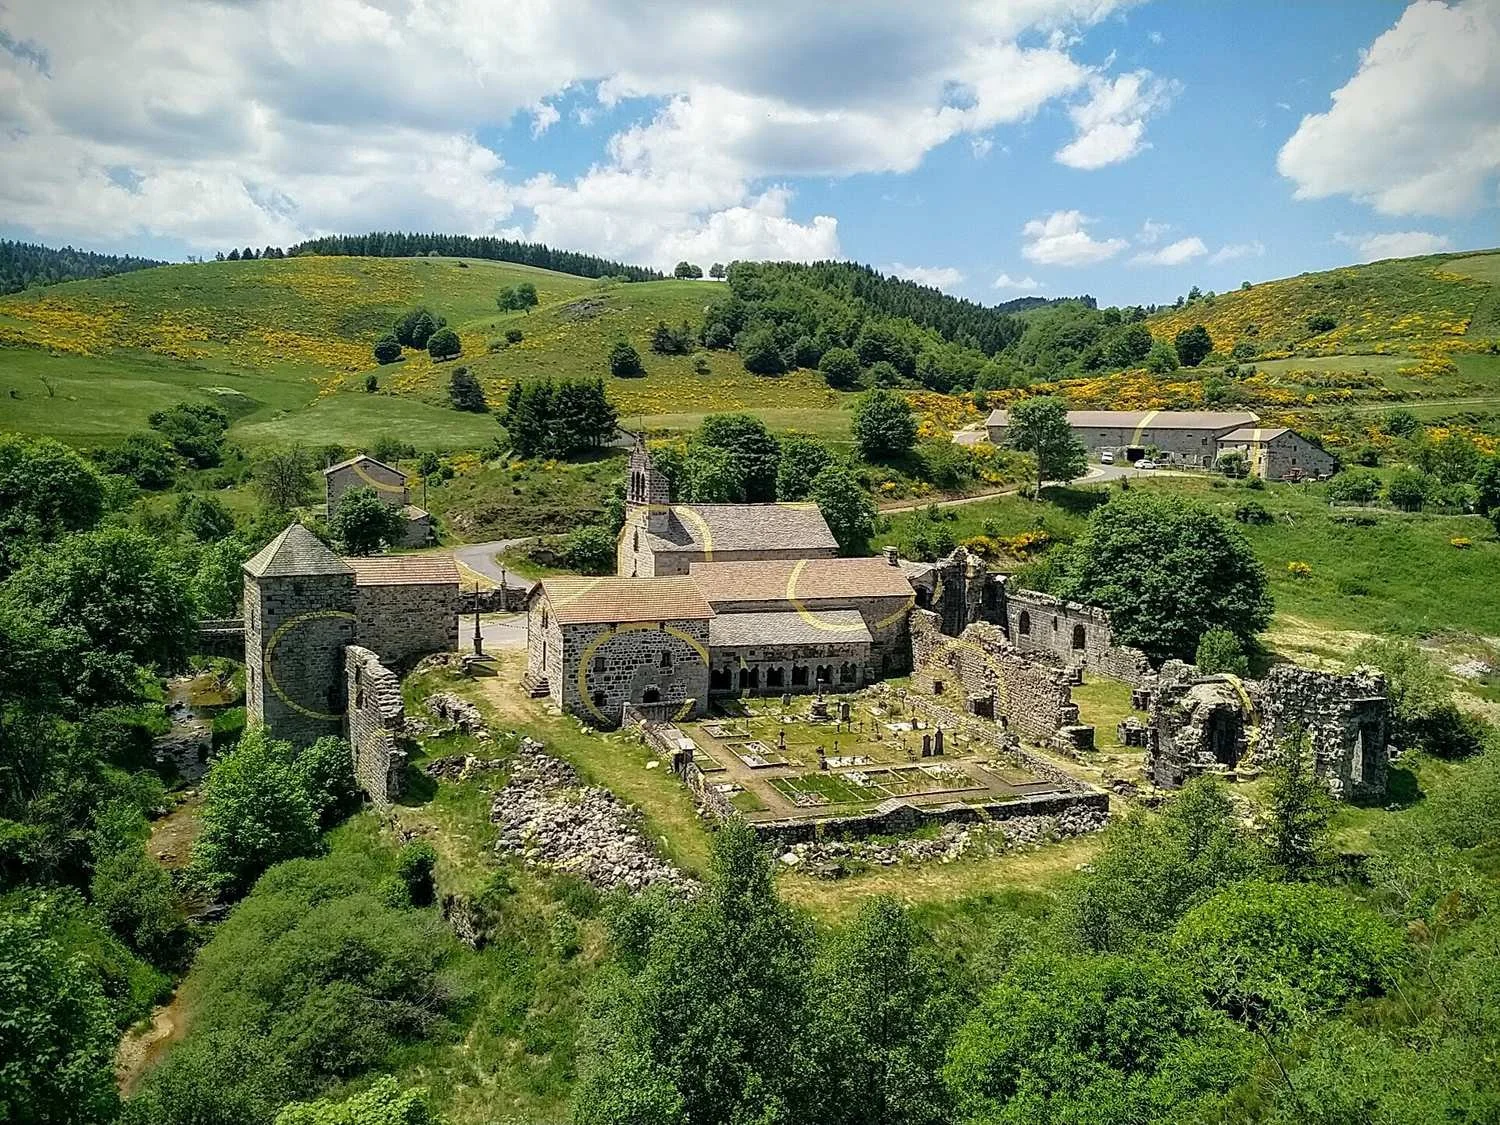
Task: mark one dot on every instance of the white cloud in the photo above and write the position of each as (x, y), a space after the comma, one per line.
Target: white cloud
(980, 147)
(1417, 129)
(1233, 251)
(1156, 37)
(543, 117)
(939, 277)
(1112, 123)
(270, 120)
(1177, 253)
(1395, 244)
(1060, 240)
(1151, 232)
(1026, 284)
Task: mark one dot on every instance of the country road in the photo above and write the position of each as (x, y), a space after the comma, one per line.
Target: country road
(1097, 474)
(479, 558)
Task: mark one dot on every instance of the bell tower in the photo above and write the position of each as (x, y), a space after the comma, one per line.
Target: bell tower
(647, 491)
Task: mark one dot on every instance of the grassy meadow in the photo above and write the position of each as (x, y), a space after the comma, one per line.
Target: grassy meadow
(285, 345)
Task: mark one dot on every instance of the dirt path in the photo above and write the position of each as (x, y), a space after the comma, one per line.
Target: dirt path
(143, 1046)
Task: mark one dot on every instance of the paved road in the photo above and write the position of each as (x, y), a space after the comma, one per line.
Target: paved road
(498, 630)
(1097, 474)
(480, 558)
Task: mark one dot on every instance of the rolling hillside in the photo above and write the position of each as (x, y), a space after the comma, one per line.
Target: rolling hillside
(285, 346)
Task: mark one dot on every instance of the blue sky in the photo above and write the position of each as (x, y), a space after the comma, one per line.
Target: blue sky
(1128, 150)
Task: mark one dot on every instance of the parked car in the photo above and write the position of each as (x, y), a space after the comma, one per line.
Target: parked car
(1145, 464)
(1107, 457)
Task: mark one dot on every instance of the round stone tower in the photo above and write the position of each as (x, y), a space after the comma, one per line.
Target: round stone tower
(299, 617)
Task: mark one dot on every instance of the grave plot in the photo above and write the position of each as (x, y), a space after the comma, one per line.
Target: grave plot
(865, 786)
(756, 755)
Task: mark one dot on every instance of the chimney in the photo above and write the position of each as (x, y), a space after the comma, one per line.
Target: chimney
(890, 556)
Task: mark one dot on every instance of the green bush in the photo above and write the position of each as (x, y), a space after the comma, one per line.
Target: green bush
(625, 361)
(1219, 650)
(514, 335)
(256, 812)
(387, 350)
(414, 866)
(444, 344)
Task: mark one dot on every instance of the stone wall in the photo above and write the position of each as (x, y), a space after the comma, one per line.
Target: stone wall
(296, 629)
(221, 636)
(959, 588)
(375, 720)
(1023, 694)
(1345, 718)
(388, 484)
(1071, 631)
(663, 662)
(404, 620)
(1202, 724)
(501, 599)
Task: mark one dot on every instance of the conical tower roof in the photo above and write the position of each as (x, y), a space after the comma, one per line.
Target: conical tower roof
(296, 551)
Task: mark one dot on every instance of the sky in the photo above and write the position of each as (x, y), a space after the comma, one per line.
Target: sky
(995, 150)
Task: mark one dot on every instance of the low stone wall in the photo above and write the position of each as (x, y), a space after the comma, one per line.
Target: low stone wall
(995, 738)
(375, 717)
(221, 636)
(897, 816)
(502, 599)
(651, 720)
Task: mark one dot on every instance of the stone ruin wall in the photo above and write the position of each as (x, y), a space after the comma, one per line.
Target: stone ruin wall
(1053, 629)
(959, 588)
(404, 620)
(1031, 697)
(375, 718)
(1346, 719)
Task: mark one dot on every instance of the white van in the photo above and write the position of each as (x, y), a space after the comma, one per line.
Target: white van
(1107, 457)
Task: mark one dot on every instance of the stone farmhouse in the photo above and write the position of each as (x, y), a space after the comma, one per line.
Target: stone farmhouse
(388, 483)
(661, 539)
(1189, 438)
(1278, 453)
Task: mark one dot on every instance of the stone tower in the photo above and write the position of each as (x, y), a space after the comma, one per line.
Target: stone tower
(299, 616)
(647, 489)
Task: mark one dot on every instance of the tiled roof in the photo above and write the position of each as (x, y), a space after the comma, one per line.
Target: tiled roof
(803, 579)
(788, 627)
(617, 601)
(743, 527)
(1253, 434)
(1144, 419)
(404, 570)
(296, 551)
(362, 459)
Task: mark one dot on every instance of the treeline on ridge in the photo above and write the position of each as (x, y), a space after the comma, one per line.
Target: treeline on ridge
(956, 319)
(401, 244)
(27, 264)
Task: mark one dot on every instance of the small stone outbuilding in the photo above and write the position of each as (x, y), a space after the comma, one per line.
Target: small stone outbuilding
(389, 485)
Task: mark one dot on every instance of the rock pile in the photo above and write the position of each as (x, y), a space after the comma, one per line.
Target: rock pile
(457, 767)
(834, 859)
(460, 712)
(546, 815)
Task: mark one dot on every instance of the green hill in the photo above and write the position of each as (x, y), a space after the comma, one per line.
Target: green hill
(285, 345)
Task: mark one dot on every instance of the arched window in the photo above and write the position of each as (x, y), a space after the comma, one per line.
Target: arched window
(544, 617)
(635, 540)
(1023, 626)
(651, 695)
(1078, 636)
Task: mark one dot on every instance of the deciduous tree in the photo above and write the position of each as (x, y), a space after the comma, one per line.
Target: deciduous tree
(1167, 569)
(363, 523)
(884, 426)
(846, 507)
(1040, 426)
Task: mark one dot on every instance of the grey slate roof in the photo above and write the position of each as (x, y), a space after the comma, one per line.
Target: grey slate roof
(296, 551)
(1253, 435)
(1145, 419)
(363, 458)
(743, 527)
(816, 627)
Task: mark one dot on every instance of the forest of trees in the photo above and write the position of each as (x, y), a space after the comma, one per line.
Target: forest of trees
(401, 244)
(25, 264)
